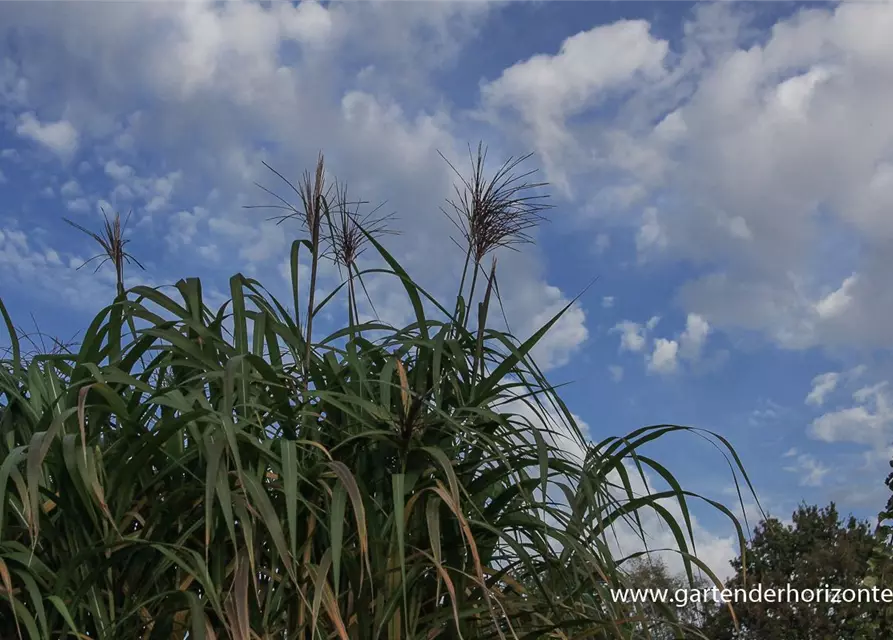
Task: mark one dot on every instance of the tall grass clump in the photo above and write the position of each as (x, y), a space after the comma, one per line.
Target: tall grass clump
(192, 472)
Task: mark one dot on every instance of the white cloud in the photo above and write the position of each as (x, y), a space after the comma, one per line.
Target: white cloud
(607, 302)
(309, 23)
(663, 359)
(616, 373)
(563, 340)
(837, 302)
(869, 421)
(651, 236)
(857, 372)
(78, 205)
(632, 336)
(545, 90)
(43, 271)
(691, 342)
(555, 427)
(117, 171)
(873, 392)
(229, 78)
(159, 190)
(70, 189)
(812, 71)
(226, 88)
(184, 225)
(766, 412)
(209, 252)
(822, 385)
(567, 82)
(59, 137)
(811, 472)
(664, 353)
(13, 87)
(542, 301)
(746, 172)
(154, 192)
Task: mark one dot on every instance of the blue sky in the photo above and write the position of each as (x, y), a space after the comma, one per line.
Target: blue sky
(726, 170)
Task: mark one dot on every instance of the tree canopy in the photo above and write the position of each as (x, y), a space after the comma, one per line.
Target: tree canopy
(818, 550)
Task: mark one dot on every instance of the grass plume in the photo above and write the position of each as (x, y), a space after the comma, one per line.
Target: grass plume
(493, 211)
(113, 242)
(201, 472)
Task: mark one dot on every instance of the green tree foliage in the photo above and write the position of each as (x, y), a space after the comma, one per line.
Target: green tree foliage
(189, 471)
(880, 564)
(648, 572)
(818, 550)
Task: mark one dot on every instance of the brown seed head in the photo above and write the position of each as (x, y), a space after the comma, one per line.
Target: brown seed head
(497, 211)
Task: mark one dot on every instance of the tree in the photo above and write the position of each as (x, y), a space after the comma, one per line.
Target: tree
(661, 618)
(818, 551)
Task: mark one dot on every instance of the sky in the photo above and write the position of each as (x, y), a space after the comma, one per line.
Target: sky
(724, 170)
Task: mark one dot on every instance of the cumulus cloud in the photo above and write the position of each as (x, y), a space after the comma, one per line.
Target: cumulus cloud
(733, 160)
(49, 274)
(60, 137)
(663, 358)
(587, 63)
(811, 179)
(632, 335)
(230, 77)
(546, 90)
(530, 302)
(664, 354)
(691, 342)
(810, 472)
(651, 236)
(822, 385)
(837, 302)
(184, 226)
(869, 421)
(78, 205)
(70, 189)
(119, 172)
